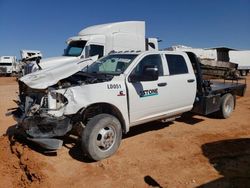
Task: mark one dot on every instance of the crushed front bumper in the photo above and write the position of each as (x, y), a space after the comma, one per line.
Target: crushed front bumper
(41, 129)
(42, 125)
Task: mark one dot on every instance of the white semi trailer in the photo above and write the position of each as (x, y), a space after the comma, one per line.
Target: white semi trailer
(101, 40)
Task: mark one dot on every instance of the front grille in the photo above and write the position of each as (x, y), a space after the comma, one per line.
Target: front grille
(3, 69)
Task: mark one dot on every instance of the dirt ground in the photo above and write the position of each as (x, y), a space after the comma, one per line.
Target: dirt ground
(193, 151)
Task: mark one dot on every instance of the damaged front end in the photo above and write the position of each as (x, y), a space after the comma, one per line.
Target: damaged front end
(40, 115)
(40, 112)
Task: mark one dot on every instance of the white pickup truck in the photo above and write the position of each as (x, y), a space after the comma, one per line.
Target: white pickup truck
(118, 91)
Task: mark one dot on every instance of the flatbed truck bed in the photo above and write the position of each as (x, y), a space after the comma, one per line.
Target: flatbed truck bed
(209, 97)
(222, 87)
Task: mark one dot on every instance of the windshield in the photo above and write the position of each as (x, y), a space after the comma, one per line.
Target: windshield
(5, 64)
(111, 64)
(75, 48)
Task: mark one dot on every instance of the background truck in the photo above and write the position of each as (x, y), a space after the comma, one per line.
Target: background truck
(214, 62)
(8, 65)
(102, 39)
(30, 60)
(115, 93)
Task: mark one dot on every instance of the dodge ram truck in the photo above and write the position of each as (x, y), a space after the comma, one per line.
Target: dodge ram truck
(102, 100)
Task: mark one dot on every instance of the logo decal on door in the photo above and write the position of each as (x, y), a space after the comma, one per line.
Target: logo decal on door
(121, 94)
(149, 92)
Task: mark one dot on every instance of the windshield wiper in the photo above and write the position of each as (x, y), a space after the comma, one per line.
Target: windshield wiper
(110, 73)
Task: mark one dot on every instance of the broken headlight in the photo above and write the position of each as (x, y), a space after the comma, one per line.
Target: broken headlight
(55, 101)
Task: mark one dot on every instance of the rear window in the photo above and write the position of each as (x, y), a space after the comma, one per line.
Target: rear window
(176, 64)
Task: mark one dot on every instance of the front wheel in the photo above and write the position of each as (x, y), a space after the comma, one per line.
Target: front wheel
(101, 136)
(227, 105)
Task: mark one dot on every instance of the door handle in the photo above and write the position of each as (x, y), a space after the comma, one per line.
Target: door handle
(190, 80)
(162, 84)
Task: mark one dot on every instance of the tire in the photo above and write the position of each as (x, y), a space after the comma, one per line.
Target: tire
(243, 73)
(94, 141)
(227, 105)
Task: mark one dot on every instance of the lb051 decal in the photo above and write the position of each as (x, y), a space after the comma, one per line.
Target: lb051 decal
(114, 86)
(149, 92)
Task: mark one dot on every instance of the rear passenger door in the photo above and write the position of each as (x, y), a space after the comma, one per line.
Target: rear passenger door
(181, 83)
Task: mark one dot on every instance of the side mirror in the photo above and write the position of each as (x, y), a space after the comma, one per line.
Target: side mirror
(150, 73)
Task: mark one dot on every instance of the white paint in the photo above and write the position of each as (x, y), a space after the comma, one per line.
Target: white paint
(9, 63)
(242, 58)
(47, 77)
(209, 54)
(170, 99)
(30, 54)
(118, 36)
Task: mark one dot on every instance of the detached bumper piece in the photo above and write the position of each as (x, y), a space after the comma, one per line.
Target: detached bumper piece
(47, 143)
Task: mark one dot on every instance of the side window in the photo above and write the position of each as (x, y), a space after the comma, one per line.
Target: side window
(150, 60)
(96, 50)
(152, 45)
(176, 64)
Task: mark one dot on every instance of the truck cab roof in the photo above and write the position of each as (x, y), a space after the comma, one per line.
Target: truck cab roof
(142, 53)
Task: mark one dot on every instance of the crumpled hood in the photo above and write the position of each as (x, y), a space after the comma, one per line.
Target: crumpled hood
(44, 78)
(56, 61)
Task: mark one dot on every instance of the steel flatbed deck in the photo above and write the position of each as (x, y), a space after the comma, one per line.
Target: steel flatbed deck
(220, 87)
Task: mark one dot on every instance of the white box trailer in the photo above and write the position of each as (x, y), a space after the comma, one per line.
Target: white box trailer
(242, 58)
(101, 40)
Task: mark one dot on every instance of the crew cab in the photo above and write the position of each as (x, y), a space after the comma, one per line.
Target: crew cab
(102, 99)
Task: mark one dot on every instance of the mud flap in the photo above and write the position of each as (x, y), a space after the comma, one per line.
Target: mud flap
(47, 143)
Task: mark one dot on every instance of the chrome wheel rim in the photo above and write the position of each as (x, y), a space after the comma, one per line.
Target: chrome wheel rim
(106, 138)
(229, 105)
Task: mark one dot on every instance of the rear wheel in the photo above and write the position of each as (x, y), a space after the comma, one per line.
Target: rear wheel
(243, 73)
(101, 137)
(227, 105)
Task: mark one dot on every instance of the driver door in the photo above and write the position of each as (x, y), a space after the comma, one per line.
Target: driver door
(145, 97)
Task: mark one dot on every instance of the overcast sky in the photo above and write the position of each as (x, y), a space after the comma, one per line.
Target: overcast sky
(46, 24)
